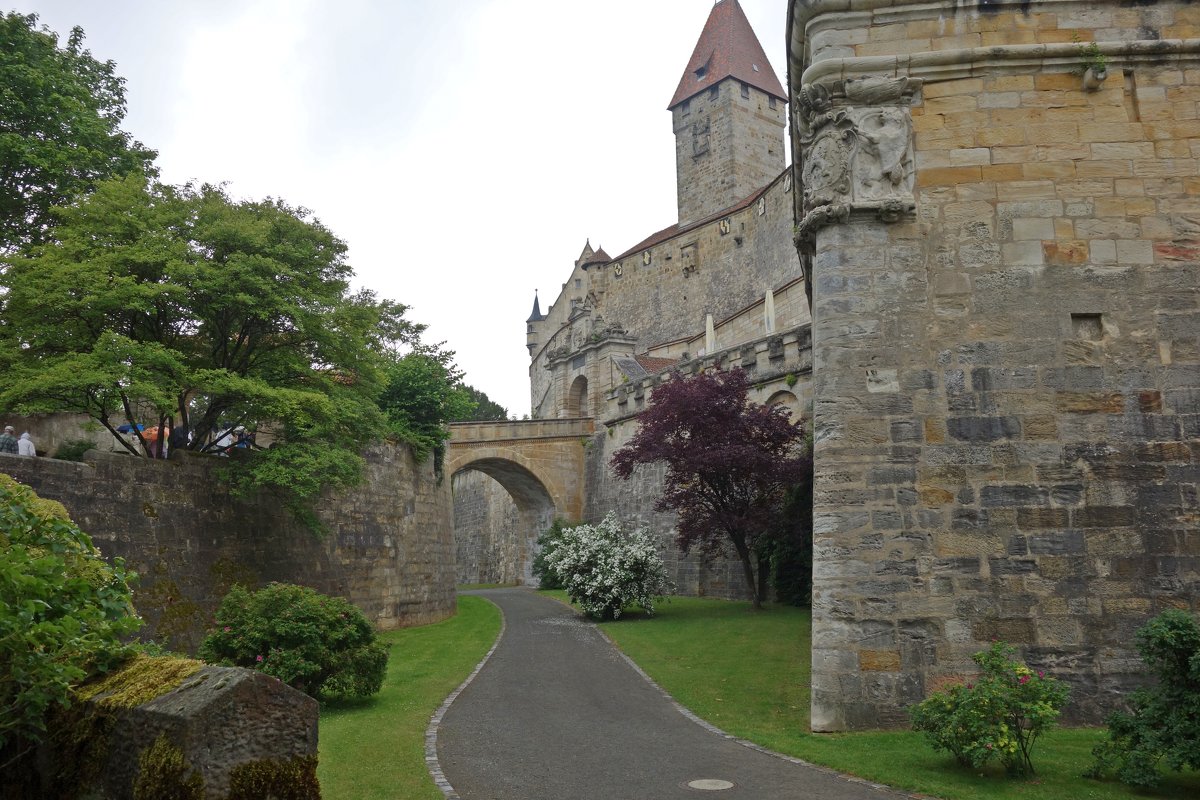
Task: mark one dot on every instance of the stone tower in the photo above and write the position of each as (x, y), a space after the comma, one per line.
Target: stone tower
(728, 117)
(999, 208)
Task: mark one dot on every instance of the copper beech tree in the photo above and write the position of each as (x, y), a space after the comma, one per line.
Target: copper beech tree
(729, 465)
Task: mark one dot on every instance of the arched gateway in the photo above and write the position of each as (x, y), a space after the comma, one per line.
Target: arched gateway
(539, 463)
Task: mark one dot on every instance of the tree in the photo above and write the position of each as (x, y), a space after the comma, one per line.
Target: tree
(729, 465)
(60, 117)
(159, 304)
(423, 391)
(485, 408)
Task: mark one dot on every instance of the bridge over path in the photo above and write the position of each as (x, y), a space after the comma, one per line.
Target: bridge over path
(540, 463)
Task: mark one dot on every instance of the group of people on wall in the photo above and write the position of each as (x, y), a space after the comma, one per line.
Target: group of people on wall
(9, 443)
(160, 440)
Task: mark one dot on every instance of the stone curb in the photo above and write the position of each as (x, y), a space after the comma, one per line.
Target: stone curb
(431, 759)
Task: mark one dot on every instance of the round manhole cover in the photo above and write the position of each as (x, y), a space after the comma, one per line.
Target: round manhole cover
(709, 784)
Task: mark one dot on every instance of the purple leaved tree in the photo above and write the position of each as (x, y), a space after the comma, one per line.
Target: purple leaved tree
(729, 465)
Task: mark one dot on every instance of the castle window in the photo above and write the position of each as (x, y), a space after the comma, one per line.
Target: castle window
(713, 92)
(701, 71)
(577, 362)
(745, 90)
(687, 107)
(771, 101)
(578, 282)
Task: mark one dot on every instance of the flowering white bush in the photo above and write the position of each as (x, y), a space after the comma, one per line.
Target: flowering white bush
(604, 569)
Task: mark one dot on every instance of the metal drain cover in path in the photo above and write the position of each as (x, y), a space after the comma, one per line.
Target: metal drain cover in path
(709, 784)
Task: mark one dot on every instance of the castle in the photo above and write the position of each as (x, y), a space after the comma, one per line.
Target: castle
(993, 214)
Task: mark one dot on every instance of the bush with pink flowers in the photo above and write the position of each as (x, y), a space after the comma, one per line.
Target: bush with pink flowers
(999, 715)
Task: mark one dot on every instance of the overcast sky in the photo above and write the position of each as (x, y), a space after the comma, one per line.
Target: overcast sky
(464, 149)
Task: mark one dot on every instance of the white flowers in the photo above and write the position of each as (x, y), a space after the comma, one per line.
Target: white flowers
(604, 570)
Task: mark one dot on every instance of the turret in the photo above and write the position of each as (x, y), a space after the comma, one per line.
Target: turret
(728, 114)
(531, 325)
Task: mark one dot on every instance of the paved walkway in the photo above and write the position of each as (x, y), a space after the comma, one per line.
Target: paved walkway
(558, 714)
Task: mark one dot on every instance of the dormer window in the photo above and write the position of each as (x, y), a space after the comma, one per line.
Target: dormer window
(701, 71)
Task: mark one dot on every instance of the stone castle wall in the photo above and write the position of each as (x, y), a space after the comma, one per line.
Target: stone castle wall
(777, 365)
(389, 547)
(664, 293)
(1006, 340)
(486, 530)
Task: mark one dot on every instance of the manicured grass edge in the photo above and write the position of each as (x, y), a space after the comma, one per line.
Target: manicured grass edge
(431, 731)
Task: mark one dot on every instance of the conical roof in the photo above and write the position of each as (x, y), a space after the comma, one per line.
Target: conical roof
(727, 48)
(537, 315)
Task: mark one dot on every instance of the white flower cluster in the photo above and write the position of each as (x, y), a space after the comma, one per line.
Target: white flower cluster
(604, 569)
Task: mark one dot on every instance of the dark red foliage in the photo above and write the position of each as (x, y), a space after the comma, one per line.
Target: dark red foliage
(729, 462)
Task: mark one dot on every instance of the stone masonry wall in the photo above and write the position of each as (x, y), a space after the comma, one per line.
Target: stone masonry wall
(780, 363)
(1006, 379)
(389, 547)
(717, 268)
(486, 530)
(727, 145)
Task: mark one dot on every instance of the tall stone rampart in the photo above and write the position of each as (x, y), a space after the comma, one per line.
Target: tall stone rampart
(487, 530)
(389, 546)
(1002, 227)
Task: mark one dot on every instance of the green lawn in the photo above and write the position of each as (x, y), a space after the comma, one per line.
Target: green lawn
(748, 673)
(375, 748)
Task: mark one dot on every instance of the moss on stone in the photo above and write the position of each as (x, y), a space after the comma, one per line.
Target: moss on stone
(291, 779)
(139, 681)
(164, 774)
(81, 733)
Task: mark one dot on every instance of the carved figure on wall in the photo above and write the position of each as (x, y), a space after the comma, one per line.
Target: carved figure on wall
(856, 150)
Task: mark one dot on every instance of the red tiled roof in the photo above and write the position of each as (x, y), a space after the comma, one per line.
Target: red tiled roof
(598, 257)
(727, 48)
(654, 364)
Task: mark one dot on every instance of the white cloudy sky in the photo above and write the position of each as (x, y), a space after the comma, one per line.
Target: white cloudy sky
(465, 149)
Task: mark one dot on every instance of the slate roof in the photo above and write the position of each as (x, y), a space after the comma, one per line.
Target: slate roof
(727, 48)
(537, 315)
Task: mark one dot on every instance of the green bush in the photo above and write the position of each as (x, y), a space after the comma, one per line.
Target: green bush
(1163, 726)
(1000, 715)
(63, 611)
(74, 449)
(546, 544)
(323, 646)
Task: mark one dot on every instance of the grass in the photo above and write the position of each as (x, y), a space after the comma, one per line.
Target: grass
(375, 748)
(748, 673)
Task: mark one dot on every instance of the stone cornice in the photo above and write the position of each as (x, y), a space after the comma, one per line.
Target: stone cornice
(805, 16)
(941, 65)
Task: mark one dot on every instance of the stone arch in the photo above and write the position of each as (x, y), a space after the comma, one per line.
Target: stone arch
(785, 398)
(577, 398)
(503, 549)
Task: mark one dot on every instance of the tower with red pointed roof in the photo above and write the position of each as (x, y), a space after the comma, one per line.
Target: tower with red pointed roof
(728, 114)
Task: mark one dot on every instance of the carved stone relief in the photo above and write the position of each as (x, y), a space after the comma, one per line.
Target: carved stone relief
(856, 151)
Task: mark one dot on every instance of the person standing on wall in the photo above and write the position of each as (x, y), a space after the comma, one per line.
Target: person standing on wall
(8, 441)
(25, 446)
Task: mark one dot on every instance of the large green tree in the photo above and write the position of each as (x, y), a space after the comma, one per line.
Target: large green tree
(159, 304)
(423, 391)
(60, 127)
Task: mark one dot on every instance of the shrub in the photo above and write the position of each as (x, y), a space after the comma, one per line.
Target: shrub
(63, 611)
(1001, 715)
(74, 449)
(547, 543)
(323, 646)
(1163, 726)
(603, 569)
